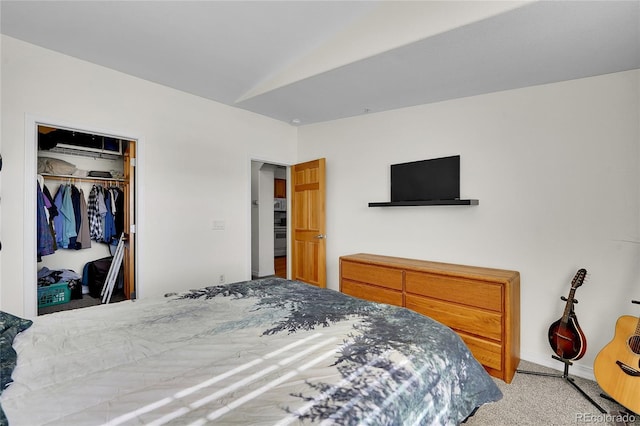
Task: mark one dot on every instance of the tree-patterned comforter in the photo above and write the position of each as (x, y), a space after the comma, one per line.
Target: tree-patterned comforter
(268, 351)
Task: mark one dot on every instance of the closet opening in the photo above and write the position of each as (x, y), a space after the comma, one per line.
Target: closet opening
(269, 220)
(85, 219)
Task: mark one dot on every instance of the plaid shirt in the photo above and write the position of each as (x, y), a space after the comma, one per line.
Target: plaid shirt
(95, 218)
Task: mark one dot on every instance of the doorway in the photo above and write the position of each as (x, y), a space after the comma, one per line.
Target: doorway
(86, 160)
(305, 221)
(269, 220)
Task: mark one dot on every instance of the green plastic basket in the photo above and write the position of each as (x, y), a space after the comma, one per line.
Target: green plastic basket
(55, 294)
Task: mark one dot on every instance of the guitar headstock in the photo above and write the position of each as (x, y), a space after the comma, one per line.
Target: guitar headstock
(579, 278)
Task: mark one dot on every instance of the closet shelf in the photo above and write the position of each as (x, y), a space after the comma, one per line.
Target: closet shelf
(81, 178)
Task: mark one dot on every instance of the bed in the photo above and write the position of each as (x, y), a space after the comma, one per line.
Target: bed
(269, 351)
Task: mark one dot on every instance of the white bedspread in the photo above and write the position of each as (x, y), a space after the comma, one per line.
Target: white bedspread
(246, 358)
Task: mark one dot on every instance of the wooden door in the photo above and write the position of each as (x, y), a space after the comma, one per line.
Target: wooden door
(129, 221)
(308, 248)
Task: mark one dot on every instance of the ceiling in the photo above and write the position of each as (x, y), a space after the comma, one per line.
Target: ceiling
(305, 62)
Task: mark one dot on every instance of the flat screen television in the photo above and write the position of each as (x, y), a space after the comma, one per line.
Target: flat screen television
(426, 180)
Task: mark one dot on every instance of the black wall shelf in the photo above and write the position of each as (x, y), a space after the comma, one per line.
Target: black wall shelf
(425, 203)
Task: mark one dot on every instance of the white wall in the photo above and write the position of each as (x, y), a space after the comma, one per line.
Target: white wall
(555, 168)
(195, 169)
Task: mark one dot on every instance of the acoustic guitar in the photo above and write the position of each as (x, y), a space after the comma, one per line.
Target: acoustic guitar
(617, 365)
(565, 336)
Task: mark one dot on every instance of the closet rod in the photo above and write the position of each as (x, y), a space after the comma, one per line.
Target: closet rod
(80, 178)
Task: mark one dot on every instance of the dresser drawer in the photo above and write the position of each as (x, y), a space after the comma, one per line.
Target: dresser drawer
(476, 293)
(486, 352)
(481, 304)
(371, 274)
(372, 293)
(459, 317)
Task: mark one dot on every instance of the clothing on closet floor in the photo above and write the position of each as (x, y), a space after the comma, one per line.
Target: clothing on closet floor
(47, 276)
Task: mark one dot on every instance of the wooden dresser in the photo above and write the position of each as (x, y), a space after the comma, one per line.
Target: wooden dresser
(482, 305)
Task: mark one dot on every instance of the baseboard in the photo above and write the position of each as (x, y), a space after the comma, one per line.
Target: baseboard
(262, 274)
(578, 370)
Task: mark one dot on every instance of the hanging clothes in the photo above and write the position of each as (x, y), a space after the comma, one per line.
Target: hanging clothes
(45, 240)
(58, 221)
(94, 215)
(118, 197)
(65, 222)
(83, 240)
(69, 218)
(75, 203)
(109, 225)
(52, 210)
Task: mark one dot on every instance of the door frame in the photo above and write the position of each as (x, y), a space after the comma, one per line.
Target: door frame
(253, 158)
(30, 274)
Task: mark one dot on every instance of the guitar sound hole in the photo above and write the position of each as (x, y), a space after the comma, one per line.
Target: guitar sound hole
(634, 344)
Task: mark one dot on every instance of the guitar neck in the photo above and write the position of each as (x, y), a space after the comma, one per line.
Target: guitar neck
(569, 307)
